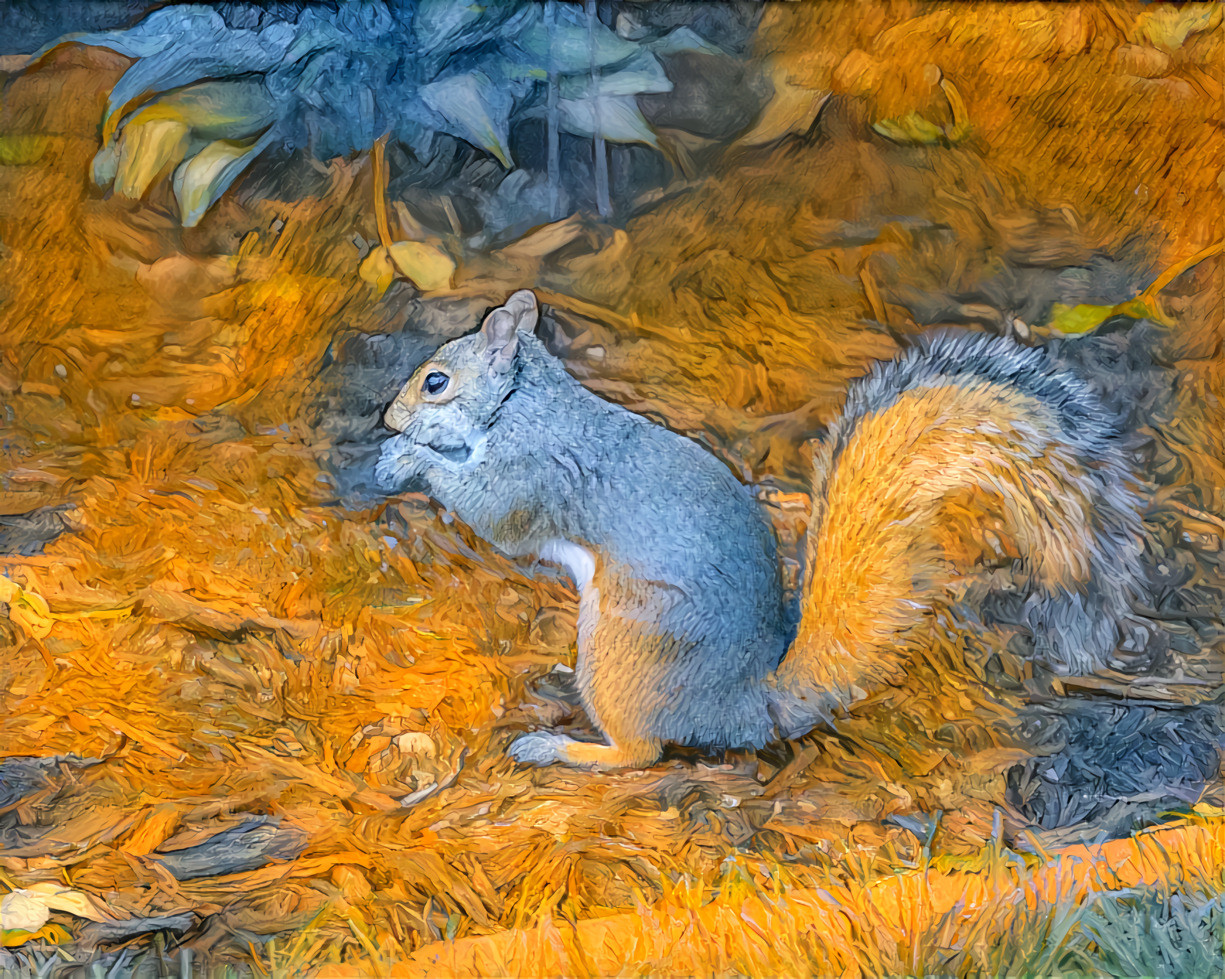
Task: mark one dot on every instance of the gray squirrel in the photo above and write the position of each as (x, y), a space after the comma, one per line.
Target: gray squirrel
(682, 634)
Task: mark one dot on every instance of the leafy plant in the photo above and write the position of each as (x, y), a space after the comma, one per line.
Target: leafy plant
(1159, 934)
(213, 87)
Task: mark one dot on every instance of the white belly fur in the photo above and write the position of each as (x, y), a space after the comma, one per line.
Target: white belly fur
(578, 561)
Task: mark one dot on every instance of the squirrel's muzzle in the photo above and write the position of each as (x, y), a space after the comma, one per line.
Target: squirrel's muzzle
(396, 417)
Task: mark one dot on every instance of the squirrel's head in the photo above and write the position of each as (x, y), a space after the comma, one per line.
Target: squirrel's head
(447, 406)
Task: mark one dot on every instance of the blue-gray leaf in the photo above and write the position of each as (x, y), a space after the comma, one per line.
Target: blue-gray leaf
(475, 109)
(639, 75)
(154, 33)
(442, 28)
(614, 117)
(683, 39)
(231, 109)
(215, 55)
(568, 46)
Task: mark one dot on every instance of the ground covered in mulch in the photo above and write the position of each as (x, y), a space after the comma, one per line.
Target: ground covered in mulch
(258, 713)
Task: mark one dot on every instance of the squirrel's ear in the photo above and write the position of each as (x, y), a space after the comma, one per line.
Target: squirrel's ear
(523, 307)
(502, 327)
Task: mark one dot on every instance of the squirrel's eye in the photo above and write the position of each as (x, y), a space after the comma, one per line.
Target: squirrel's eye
(435, 382)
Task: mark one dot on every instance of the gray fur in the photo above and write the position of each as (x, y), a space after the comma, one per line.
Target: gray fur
(656, 509)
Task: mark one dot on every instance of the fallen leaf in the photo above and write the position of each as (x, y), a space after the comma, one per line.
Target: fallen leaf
(476, 109)
(1168, 27)
(18, 151)
(377, 269)
(1142, 60)
(615, 118)
(1085, 318)
(792, 109)
(910, 128)
(546, 239)
(201, 180)
(66, 899)
(957, 105)
(155, 827)
(28, 908)
(52, 934)
(22, 911)
(425, 264)
(26, 608)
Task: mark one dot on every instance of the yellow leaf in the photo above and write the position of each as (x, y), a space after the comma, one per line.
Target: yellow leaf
(1144, 308)
(1084, 318)
(426, 265)
(53, 934)
(28, 609)
(23, 911)
(22, 150)
(207, 175)
(910, 128)
(1081, 318)
(1168, 27)
(376, 268)
(957, 105)
(26, 908)
(66, 899)
(145, 149)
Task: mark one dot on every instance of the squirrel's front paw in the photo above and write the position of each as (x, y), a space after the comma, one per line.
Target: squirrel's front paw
(397, 465)
(538, 748)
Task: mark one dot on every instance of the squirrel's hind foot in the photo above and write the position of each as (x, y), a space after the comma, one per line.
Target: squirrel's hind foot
(543, 748)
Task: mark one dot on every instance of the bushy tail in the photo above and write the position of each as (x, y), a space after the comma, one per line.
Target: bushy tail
(965, 445)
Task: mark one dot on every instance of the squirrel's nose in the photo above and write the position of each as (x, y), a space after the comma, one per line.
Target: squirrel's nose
(395, 417)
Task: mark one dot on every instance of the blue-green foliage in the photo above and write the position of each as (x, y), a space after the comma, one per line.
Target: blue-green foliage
(1150, 933)
(333, 79)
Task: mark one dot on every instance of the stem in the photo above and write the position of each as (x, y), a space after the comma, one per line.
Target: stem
(553, 137)
(379, 165)
(1177, 269)
(602, 203)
